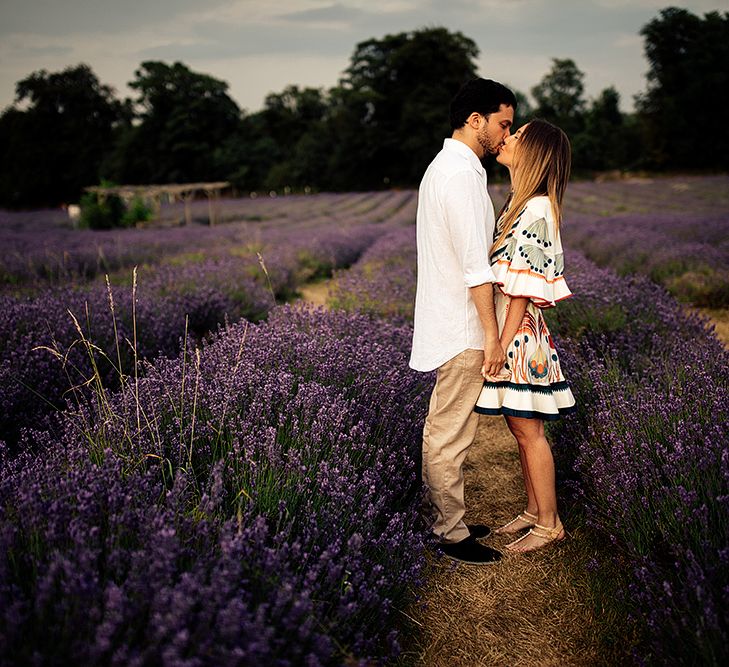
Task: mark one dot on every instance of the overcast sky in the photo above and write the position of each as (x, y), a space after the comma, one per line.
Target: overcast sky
(261, 46)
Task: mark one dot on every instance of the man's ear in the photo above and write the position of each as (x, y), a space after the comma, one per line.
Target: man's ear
(474, 120)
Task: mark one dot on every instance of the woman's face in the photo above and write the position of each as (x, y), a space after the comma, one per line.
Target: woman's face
(505, 155)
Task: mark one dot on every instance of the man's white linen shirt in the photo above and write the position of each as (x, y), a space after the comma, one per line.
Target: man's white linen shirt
(455, 231)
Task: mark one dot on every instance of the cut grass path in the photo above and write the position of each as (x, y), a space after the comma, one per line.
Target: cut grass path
(719, 318)
(315, 293)
(532, 609)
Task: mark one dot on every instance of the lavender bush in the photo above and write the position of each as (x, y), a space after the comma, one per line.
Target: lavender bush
(252, 505)
(647, 455)
(205, 290)
(688, 253)
(34, 381)
(382, 282)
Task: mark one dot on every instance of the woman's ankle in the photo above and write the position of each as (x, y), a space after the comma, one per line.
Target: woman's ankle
(548, 519)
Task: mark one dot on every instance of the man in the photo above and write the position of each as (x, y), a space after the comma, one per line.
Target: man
(455, 325)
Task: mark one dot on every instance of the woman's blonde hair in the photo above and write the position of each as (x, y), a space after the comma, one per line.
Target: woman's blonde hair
(540, 166)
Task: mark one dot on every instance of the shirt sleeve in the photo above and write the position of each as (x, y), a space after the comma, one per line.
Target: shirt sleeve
(465, 215)
(531, 263)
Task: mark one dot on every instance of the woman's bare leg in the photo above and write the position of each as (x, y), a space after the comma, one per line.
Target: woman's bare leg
(539, 464)
(531, 507)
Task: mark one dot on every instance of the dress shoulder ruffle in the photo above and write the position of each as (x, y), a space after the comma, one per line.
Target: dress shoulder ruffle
(530, 262)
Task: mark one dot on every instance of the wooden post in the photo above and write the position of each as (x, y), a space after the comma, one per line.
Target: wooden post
(186, 197)
(213, 194)
(156, 205)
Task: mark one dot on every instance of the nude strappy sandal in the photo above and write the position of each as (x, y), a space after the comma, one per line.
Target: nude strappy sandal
(549, 535)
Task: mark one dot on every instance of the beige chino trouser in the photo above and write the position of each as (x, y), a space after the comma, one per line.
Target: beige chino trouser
(449, 431)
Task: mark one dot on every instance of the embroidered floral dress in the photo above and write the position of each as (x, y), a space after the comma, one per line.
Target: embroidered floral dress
(529, 264)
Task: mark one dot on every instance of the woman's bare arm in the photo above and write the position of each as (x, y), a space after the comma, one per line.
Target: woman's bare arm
(517, 308)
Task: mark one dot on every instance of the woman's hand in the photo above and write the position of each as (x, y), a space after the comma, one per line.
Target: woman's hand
(514, 317)
(494, 356)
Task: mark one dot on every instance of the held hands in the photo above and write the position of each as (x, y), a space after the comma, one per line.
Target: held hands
(494, 357)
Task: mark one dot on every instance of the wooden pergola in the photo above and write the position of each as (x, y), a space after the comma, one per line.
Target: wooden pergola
(172, 191)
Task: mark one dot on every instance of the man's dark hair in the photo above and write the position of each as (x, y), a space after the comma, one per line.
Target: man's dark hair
(483, 96)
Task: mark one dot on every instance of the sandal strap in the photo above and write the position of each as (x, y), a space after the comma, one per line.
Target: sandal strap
(523, 537)
(546, 533)
(526, 517)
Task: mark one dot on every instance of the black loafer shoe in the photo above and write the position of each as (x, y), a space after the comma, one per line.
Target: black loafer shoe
(478, 530)
(470, 551)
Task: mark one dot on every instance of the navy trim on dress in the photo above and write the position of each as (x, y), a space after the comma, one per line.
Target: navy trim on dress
(526, 414)
(536, 388)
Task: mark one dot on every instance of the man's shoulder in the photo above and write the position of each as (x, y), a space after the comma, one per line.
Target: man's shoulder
(451, 161)
(449, 164)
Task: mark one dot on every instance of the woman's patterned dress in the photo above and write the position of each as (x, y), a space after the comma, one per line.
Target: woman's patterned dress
(529, 264)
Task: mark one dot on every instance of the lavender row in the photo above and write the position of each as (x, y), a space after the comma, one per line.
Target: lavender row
(255, 504)
(382, 282)
(647, 451)
(645, 456)
(206, 291)
(66, 254)
(655, 196)
(71, 255)
(688, 253)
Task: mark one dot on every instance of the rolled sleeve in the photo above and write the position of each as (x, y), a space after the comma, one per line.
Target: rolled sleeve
(465, 215)
(476, 279)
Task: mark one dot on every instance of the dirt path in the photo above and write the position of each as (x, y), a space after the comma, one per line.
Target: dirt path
(315, 293)
(531, 609)
(719, 317)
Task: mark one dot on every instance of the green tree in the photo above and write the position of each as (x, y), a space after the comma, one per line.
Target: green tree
(55, 136)
(295, 120)
(389, 114)
(559, 96)
(610, 139)
(524, 109)
(688, 81)
(183, 119)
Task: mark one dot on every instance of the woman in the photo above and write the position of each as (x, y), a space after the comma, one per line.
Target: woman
(527, 260)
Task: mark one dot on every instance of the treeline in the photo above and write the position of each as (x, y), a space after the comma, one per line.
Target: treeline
(378, 128)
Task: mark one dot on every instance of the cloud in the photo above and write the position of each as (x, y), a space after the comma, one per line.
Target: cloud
(32, 52)
(233, 39)
(331, 14)
(63, 17)
(216, 41)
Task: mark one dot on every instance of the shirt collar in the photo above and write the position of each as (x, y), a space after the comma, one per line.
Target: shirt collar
(464, 150)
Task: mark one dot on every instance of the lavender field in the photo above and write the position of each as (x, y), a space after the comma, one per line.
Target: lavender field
(675, 231)
(199, 471)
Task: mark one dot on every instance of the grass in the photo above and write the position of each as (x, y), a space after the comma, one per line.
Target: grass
(718, 319)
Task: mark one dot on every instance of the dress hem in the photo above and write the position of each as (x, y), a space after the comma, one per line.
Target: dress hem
(562, 385)
(526, 414)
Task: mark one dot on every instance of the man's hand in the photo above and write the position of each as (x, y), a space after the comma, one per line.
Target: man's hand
(494, 357)
(493, 353)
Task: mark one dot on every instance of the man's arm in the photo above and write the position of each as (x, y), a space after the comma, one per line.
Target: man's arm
(465, 213)
(493, 352)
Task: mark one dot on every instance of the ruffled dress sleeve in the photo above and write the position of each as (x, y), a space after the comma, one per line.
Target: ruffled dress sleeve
(530, 263)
